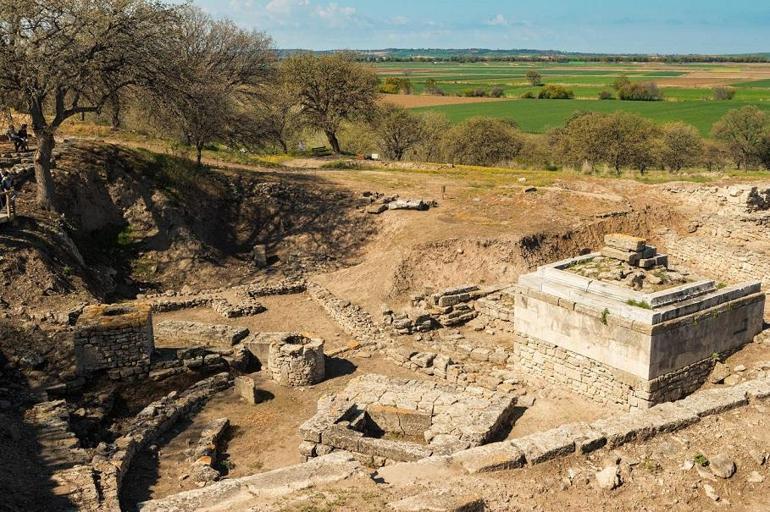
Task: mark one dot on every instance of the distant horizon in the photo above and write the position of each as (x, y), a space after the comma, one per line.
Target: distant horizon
(684, 27)
(538, 51)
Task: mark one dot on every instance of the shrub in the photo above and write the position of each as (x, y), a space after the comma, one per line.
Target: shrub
(644, 91)
(483, 141)
(432, 88)
(395, 85)
(681, 146)
(529, 95)
(723, 93)
(534, 78)
(556, 92)
(497, 92)
(621, 82)
(475, 93)
(399, 131)
(606, 95)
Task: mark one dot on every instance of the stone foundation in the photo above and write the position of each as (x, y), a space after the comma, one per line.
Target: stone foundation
(543, 361)
(383, 420)
(116, 338)
(633, 347)
(296, 361)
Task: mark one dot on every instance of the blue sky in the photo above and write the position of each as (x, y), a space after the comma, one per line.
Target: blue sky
(644, 26)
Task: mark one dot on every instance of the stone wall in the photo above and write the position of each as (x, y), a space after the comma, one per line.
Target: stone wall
(543, 361)
(297, 361)
(116, 338)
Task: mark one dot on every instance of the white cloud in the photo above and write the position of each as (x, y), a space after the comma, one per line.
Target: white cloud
(498, 21)
(285, 7)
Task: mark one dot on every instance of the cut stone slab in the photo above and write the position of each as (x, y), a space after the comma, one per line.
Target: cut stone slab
(587, 439)
(441, 501)
(246, 387)
(756, 389)
(239, 494)
(632, 258)
(491, 457)
(625, 242)
(714, 401)
(544, 446)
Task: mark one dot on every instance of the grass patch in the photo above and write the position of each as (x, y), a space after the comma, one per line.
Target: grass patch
(638, 304)
(701, 460)
(541, 116)
(342, 165)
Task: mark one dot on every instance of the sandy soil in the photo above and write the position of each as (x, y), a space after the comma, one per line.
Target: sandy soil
(415, 101)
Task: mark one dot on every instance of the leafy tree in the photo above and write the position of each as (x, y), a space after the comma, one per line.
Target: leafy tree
(219, 71)
(715, 156)
(534, 78)
(497, 92)
(399, 131)
(555, 92)
(276, 117)
(723, 93)
(331, 89)
(681, 146)
(395, 85)
(483, 141)
(62, 58)
(619, 140)
(742, 131)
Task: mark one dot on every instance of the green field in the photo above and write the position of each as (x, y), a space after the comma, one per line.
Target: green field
(538, 116)
(683, 101)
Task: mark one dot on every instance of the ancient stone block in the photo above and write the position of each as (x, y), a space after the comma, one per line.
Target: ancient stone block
(247, 389)
(625, 242)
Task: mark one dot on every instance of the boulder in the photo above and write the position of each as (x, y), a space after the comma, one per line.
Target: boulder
(722, 466)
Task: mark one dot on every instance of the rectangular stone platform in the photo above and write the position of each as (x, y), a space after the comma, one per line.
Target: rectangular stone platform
(631, 347)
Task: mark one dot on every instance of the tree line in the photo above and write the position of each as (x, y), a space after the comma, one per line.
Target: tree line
(193, 77)
(587, 141)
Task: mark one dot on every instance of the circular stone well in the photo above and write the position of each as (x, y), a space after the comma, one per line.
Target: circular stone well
(295, 360)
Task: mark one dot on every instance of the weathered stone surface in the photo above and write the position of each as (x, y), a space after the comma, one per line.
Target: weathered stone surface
(235, 494)
(442, 501)
(625, 242)
(431, 469)
(722, 466)
(246, 388)
(609, 478)
(294, 360)
(491, 457)
(544, 446)
(714, 401)
(199, 333)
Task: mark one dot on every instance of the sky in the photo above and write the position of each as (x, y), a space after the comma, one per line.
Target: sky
(606, 26)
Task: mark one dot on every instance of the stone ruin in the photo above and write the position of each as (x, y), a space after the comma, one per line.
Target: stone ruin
(616, 339)
(383, 420)
(447, 308)
(116, 338)
(296, 361)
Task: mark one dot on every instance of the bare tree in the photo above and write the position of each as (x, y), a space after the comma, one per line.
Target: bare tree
(219, 70)
(332, 89)
(61, 58)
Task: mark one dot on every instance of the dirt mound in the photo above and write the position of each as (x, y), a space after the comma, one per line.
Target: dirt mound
(134, 221)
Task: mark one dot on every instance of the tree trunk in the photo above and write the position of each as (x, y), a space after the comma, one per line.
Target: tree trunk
(333, 141)
(115, 112)
(42, 159)
(284, 146)
(199, 153)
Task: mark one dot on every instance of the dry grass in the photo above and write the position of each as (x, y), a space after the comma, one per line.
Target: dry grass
(415, 101)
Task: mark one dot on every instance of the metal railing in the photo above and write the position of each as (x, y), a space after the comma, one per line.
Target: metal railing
(9, 200)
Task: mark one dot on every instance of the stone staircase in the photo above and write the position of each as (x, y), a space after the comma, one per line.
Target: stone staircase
(59, 448)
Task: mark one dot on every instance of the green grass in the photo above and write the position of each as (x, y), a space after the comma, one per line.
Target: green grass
(538, 116)
(755, 83)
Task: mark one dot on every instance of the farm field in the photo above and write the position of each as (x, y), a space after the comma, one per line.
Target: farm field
(687, 90)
